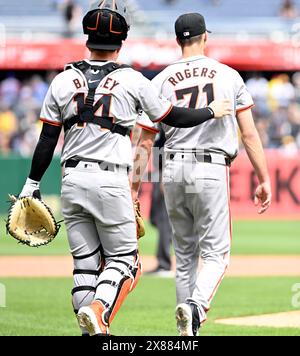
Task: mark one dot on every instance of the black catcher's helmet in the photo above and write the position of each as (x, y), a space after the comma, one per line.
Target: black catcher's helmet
(106, 24)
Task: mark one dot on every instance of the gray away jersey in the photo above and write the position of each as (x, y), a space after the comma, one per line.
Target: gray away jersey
(195, 82)
(129, 92)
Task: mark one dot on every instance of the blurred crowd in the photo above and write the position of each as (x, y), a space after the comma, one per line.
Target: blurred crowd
(276, 111)
(20, 106)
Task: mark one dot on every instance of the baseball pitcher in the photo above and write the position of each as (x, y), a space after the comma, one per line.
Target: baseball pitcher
(196, 172)
(97, 102)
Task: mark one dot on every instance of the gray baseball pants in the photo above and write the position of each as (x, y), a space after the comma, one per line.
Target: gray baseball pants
(197, 199)
(101, 227)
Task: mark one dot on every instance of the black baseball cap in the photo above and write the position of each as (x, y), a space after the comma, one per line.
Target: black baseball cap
(190, 25)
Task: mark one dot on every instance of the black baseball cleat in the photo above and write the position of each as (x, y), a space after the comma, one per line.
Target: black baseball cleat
(196, 319)
(188, 319)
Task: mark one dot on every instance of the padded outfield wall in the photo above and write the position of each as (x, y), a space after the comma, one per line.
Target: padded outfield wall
(284, 170)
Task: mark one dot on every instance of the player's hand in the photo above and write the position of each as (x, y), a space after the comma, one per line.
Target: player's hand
(134, 195)
(31, 189)
(221, 108)
(263, 197)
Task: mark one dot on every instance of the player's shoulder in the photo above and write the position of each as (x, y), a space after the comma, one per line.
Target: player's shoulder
(126, 72)
(225, 68)
(62, 78)
(161, 77)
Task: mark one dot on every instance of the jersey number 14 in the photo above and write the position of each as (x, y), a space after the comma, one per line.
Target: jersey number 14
(103, 104)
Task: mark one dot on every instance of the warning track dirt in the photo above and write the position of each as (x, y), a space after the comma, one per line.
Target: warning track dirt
(241, 266)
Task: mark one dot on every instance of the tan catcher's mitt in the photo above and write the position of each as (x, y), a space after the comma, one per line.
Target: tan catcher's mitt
(31, 222)
(140, 226)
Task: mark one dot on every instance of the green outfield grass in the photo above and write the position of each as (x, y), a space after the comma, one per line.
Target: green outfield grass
(249, 238)
(42, 307)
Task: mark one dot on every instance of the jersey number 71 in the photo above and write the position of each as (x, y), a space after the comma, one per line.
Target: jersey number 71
(194, 93)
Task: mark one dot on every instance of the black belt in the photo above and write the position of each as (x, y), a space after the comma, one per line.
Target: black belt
(200, 157)
(105, 166)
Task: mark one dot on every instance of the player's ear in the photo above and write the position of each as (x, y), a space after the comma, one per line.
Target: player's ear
(205, 37)
(178, 42)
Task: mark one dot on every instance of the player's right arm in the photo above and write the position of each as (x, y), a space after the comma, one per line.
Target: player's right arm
(255, 151)
(158, 108)
(43, 154)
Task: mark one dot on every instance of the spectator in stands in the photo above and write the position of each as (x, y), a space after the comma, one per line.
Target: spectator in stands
(258, 88)
(26, 103)
(277, 128)
(9, 90)
(5, 148)
(294, 119)
(262, 125)
(281, 91)
(8, 127)
(289, 10)
(39, 89)
(170, 2)
(289, 146)
(298, 140)
(296, 83)
(71, 13)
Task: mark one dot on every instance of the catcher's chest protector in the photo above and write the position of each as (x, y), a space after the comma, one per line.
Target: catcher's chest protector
(94, 75)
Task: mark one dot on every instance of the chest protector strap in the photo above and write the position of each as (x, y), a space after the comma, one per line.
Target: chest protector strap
(94, 75)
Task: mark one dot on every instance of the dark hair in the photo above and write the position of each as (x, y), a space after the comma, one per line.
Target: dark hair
(101, 51)
(190, 41)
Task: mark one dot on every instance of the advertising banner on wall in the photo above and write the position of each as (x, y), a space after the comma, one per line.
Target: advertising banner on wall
(285, 178)
(148, 53)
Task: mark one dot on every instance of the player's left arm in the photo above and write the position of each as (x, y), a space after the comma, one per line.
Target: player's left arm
(255, 151)
(158, 108)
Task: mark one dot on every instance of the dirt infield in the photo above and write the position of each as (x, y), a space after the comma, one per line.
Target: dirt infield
(241, 266)
(279, 320)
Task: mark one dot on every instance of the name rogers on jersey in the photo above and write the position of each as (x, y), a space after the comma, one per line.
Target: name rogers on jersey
(192, 73)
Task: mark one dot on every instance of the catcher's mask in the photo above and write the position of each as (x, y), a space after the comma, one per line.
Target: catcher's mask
(106, 24)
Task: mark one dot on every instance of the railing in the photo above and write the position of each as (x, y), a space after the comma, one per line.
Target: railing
(159, 25)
